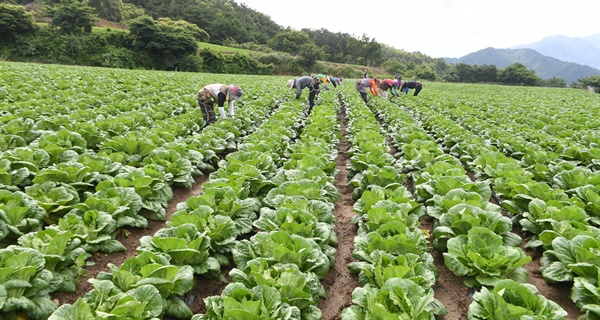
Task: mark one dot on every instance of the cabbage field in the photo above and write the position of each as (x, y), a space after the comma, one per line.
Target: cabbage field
(468, 201)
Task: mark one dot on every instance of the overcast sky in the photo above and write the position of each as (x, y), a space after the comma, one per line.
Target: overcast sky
(440, 28)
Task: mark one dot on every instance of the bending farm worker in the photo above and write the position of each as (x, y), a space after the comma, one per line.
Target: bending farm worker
(387, 84)
(310, 82)
(332, 81)
(364, 83)
(323, 78)
(412, 85)
(219, 93)
(337, 81)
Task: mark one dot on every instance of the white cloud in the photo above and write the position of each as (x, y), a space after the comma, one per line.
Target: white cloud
(440, 28)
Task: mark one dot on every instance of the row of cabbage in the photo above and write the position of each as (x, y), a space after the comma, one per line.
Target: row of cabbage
(393, 264)
(476, 240)
(64, 247)
(564, 161)
(555, 220)
(559, 123)
(84, 196)
(203, 235)
(278, 270)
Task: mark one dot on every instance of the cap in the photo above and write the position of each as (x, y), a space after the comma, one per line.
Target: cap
(235, 92)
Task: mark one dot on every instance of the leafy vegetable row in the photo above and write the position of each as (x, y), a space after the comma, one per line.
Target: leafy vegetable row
(553, 217)
(278, 269)
(203, 231)
(394, 264)
(125, 197)
(474, 236)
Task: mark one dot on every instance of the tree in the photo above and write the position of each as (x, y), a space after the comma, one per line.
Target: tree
(487, 73)
(72, 17)
(15, 21)
(164, 42)
(289, 41)
(193, 29)
(130, 11)
(465, 72)
(554, 82)
(371, 51)
(309, 54)
(425, 72)
(592, 81)
(108, 9)
(517, 73)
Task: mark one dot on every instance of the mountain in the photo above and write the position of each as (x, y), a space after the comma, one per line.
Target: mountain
(545, 67)
(582, 50)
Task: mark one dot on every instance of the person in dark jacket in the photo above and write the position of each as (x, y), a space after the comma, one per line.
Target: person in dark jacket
(411, 85)
(310, 82)
(219, 93)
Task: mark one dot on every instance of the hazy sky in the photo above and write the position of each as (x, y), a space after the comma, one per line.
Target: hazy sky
(440, 28)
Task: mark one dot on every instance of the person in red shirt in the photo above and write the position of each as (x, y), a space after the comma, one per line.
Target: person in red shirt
(388, 84)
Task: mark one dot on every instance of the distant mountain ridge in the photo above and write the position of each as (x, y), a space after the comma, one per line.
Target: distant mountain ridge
(545, 67)
(581, 50)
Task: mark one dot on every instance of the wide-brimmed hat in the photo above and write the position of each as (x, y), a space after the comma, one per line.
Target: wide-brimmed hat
(235, 92)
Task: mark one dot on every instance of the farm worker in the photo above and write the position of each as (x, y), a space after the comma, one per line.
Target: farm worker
(399, 77)
(387, 84)
(365, 73)
(323, 78)
(332, 81)
(394, 88)
(218, 93)
(412, 85)
(311, 82)
(337, 81)
(366, 83)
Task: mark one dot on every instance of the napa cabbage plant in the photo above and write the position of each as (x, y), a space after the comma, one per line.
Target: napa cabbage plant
(482, 258)
(148, 268)
(512, 300)
(238, 302)
(396, 299)
(299, 289)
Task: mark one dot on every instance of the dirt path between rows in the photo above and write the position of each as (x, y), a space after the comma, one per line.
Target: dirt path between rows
(339, 283)
(130, 238)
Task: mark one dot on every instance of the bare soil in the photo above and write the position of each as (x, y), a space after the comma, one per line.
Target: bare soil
(339, 282)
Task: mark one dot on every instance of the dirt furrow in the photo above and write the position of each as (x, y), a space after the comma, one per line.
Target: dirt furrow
(339, 283)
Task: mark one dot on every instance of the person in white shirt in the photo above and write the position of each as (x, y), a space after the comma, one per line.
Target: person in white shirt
(218, 93)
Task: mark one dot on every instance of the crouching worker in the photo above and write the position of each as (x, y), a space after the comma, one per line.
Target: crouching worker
(412, 85)
(218, 93)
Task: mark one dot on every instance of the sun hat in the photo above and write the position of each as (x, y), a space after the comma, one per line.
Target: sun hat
(235, 92)
(290, 83)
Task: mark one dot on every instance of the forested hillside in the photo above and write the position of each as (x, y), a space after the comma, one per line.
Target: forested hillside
(165, 35)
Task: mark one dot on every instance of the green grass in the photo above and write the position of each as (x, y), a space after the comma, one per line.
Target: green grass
(224, 49)
(98, 30)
